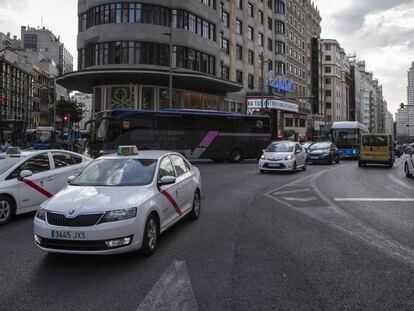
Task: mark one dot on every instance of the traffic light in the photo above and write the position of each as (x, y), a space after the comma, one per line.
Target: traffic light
(402, 106)
(65, 117)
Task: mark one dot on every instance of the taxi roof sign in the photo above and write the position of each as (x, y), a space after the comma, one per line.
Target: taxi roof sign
(127, 150)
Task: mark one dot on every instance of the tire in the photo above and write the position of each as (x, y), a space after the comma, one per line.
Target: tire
(262, 172)
(390, 164)
(304, 166)
(6, 209)
(151, 233)
(329, 161)
(195, 211)
(338, 160)
(236, 156)
(294, 169)
(360, 164)
(407, 171)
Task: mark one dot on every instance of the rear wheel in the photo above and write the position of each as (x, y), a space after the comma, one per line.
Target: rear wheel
(338, 159)
(407, 171)
(6, 209)
(235, 156)
(151, 233)
(304, 166)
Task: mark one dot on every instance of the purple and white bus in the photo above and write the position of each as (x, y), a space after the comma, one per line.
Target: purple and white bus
(218, 136)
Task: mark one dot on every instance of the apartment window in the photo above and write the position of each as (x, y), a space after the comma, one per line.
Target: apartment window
(225, 72)
(328, 69)
(269, 23)
(250, 57)
(289, 122)
(328, 47)
(280, 7)
(280, 68)
(280, 47)
(239, 76)
(328, 81)
(239, 4)
(239, 26)
(328, 105)
(270, 3)
(225, 45)
(270, 65)
(279, 27)
(260, 39)
(250, 33)
(239, 52)
(328, 58)
(250, 9)
(270, 44)
(260, 15)
(226, 19)
(251, 82)
(328, 93)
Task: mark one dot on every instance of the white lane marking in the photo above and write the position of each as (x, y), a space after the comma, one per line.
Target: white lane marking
(399, 182)
(374, 199)
(292, 191)
(336, 217)
(173, 291)
(300, 199)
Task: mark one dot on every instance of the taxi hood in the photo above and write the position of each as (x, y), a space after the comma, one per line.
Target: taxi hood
(84, 199)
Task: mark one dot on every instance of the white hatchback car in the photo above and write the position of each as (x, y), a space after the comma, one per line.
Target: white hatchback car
(29, 178)
(120, 203)
(283, 156)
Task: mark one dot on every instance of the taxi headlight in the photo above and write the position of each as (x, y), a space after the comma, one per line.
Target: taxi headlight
(41, 214)
(118, 215)
(289, 157)
(263, 157)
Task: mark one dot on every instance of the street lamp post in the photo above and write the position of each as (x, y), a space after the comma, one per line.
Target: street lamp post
(170, 34)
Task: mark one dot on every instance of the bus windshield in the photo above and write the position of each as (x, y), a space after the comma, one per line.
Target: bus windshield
(42, 137)
(346, 138)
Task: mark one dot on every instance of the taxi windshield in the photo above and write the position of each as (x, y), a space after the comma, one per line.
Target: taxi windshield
(281, 147)
(7, 163)
(117, 172)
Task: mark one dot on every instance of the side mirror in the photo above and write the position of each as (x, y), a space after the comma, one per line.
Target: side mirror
(71, 179)
(166, 180)
(297, 151)
(25, 173)
(264, 150)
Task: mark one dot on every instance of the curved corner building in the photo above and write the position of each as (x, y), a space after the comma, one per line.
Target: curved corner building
(124, 53)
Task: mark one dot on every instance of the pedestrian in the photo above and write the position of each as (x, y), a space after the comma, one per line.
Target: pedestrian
(6, 146)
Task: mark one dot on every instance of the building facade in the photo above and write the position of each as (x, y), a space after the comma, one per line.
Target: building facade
(43, 40)
(16, 98)
(405, 117)
(238, 56)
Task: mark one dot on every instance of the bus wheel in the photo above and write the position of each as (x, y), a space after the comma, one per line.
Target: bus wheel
(235, 156)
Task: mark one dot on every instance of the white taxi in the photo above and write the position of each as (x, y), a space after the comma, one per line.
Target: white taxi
(283, 156)
(120, 203)
(30, 177)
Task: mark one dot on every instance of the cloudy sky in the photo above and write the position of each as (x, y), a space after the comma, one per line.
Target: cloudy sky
(381, 32)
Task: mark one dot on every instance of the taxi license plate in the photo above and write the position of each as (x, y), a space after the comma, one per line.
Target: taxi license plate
(67, 235)
(274, 165)
(368, 157)
(314, 158)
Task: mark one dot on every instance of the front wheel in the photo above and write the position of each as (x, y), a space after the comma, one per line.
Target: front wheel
(294, 169)
(338, 159)
(151, 233)
(407, 171)
(195, 212)
(390, 164)
(6, 209)
(304, 166)
(235, 156)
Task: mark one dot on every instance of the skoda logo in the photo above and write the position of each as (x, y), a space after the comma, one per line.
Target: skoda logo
(71, 212)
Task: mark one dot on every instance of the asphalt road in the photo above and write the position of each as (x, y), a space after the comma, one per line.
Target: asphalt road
(331, 238)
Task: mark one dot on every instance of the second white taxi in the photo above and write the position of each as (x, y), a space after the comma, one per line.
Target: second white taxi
(120, 203)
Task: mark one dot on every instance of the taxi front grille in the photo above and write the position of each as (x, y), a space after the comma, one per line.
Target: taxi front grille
(78, 221)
